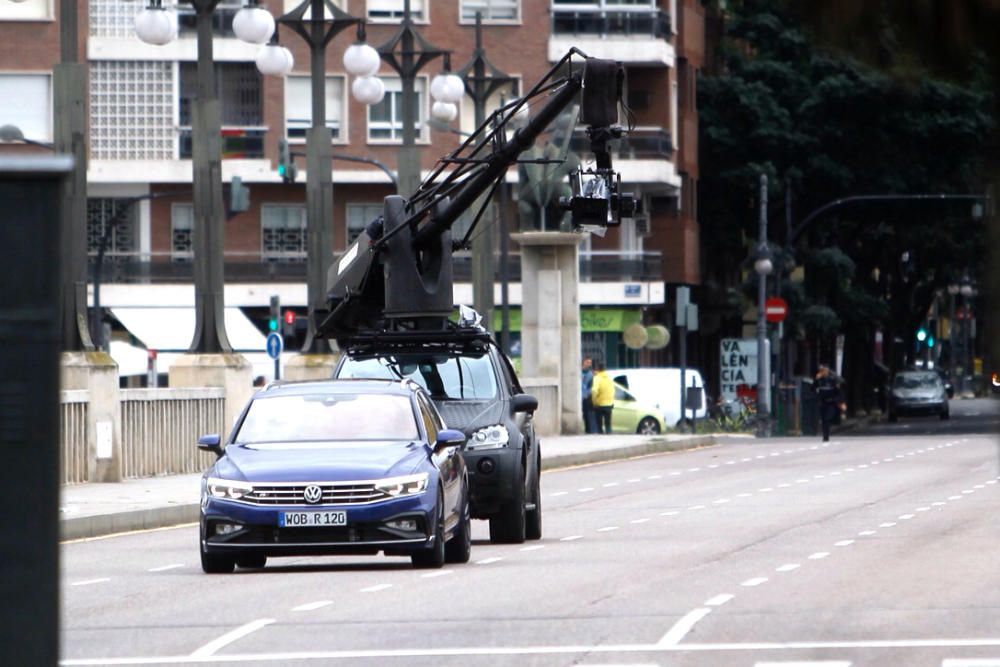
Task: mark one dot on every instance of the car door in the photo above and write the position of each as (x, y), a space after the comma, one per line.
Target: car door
(448, 461)
(625, 416)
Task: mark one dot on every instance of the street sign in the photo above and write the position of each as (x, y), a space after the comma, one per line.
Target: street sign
(273, 345)
(775, 309)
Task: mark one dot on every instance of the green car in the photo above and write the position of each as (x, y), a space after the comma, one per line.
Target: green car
(634, 416)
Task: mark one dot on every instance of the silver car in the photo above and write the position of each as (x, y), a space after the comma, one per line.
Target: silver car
(918, 393)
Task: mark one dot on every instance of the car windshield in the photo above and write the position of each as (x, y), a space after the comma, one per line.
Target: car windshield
(444, 377)
(328, 417)
(916, 381)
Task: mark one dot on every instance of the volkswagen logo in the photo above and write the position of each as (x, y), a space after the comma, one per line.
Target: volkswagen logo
(313, 494)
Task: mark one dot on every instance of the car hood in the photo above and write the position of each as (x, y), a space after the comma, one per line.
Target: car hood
(328, 462)
(919, 393)
(471, 415)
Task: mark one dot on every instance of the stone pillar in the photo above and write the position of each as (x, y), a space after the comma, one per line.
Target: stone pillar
(230, 371)
(97, 373)
(310, 367)
(550, 316)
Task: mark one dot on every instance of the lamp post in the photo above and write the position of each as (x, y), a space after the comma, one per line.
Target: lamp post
(953, 290)
(763, 266)
(155, 26)
(967, 291)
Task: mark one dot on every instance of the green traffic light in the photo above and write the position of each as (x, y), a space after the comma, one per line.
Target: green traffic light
(921, 335)
(281, 170)
(272, 324)
(930, 341)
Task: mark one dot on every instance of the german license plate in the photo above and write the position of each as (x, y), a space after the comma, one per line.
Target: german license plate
(309, 519)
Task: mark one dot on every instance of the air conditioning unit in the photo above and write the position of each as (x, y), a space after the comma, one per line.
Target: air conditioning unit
(641, 225)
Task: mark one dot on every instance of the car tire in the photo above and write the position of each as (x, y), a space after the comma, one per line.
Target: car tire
(433, 557)
(509, 525)
(217, 563)
(533, 517)
(459, 547)
(648, 426)
(251, 561)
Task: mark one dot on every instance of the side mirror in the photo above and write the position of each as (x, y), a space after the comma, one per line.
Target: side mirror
(523, 403)
(211, 443)
(449, 438)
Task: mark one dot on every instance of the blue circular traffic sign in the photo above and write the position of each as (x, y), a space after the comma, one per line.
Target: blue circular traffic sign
(274, 345)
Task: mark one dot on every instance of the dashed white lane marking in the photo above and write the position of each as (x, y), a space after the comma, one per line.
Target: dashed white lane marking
(585, 489)
(843, 543)
(670, 513)
(906, 517)
(88, 582)
(979, 486)
(607, 529)
(211, 647)
(954, 497)
(697, 507)
(971, 662)
(819, 555)
(923, 509)
(489, 561)
(805, 663)
(533, 547)
(437, 573)
(992, 481)
(609, 485)
(558, 493)
(719, 600)
(766, 489)
(377, 587)
(675, 473)
(866, 533)
(720, 501)
(743, 495)
(313, 606)
(638, 520)
(682, 627)
(938, 503)
(713, 466)
(655, 477)
(164, 568)
(693, 469)
(571, 538)
(756, 581)
(968, 491)
(887, 524)
(787, 567)
(784, 486)
(802, 481)
(746, 459)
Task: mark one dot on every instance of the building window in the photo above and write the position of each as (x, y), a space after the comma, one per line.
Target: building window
(112, 18)
(238, 86)
(283, 233)
(132, 110)
(28, 104)
(358, 216)
(298, 106)
(492, 10)
(222, 18)
(102, 212)
(392, 10)
(26, 10)
(385, 119)
(181, 232)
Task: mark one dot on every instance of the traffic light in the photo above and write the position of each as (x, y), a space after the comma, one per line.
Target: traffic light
(286, 165)
(275, 319)
(289, 328)
(921, 334)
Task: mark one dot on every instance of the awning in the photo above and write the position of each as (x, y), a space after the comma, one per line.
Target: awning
(171, 329)
(591, 319)
(131, 360)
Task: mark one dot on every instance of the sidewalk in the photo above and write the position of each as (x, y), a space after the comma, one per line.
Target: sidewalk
(93, 510)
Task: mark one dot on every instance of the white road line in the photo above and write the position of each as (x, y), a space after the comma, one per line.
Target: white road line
(787, 567)
(818, 476)
(720, 501)
(713, 466)
(571, 538)
(682, 627)
(655, 477)
(954, 497)
(923, 509)
(848, 469)
(819, 555)
(939, 503)
(609, 485)
(607, 529)
(766, 489)
(164, 568)
(313, 606)
(756, 581)
(843, 543)
(866, 533)
(887, 524)
(558, 493)
(834, 473)
(979, 486)
(675, 473)
(88, 582)
(784, 486)
(533, 547)
(376, 588)
(697, 507)
(802, 481)
(968, 491)
(719, 600)
(906, 517)
(992, 481)
(747, 459)
(585, 489)
(743, 495)
(670, 513)
(730, 463)
(489, 561)
(971, 662)
(693, 469)
(437, 573)
(633, 480)
(211, 647)
(638, 520)
(805, 663)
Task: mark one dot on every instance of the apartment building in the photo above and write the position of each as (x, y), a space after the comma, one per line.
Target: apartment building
(140, 144)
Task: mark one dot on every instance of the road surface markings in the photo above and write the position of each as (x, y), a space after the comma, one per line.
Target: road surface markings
(489, 561)
(633, 480)
(164, 568)
(719, 600)
(693, 469)
(533, 547)
(843, 543)
(720, 501)
(670, 513)
(954, 497)
(376, 588)
(979, 486)
(697, 507)
(211, 647)
(923, 509)
(607, 529)
(571, 538)
(906, 517)
(680, 629)
(971, 662)
(558, 493)
(585, 489)
(638, 520)
(743, 495)
(746, 459)
(655, 477)
(818, 476)
(887, 524)
(675, 473)
(88, 582)
(938, 503)
(313, 606)
(866, 533)
(787, 567)
(805, 663)
(609, 485)
(437, 573)
(756, 581)
(784, 486)
(802, 481)
(714, 465)
(766, 489)
(968, 491)
(819, 555)
(992, 481)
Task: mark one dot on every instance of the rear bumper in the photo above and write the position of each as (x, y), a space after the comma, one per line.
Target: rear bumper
(918, 408)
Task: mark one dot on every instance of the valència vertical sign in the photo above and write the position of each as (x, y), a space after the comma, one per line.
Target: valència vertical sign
(738, 366)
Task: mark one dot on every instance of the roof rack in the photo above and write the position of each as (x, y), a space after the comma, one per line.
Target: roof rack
(455, 340)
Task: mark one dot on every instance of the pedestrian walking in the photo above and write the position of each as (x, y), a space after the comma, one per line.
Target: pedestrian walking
(586, 385)
(831, 399)
(603, 395)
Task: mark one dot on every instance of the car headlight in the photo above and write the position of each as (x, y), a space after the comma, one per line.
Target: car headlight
(490, 437)
(409, 485)
(228, 488)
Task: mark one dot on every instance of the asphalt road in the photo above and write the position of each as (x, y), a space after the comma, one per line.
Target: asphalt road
(873, 549)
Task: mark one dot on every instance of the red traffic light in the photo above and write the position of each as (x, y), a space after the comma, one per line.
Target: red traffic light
(289, 317)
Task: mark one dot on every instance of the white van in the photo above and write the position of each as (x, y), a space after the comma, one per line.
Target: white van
(662, 388)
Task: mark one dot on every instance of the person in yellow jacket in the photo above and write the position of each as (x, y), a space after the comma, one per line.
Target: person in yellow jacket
(602, 394)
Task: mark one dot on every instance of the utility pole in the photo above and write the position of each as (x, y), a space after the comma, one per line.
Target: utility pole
(763, 267)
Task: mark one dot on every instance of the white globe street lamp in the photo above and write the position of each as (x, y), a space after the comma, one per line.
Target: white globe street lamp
(274, 60)
(253, 25)
(360, 59)
(368, 90)
(444, 111)
(763, 266)
(155, 25)
(447, 87)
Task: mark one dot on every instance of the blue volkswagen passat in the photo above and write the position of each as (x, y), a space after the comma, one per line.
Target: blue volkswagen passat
(336, 467)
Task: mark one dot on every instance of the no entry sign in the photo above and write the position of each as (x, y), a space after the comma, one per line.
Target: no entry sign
(775, 309)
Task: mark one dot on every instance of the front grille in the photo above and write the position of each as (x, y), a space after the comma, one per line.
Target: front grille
(334, 493)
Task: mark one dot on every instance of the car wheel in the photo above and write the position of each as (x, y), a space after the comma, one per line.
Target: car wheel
(533, 518)
(509, 524)
(216, 563)
(648, 426)
(459, 547)
(433, 557)
(251, 561)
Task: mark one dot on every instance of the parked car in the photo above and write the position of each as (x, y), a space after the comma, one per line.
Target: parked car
(336, 467)
(475, 388)
(918, 393)
(630, 415)
(662, 387)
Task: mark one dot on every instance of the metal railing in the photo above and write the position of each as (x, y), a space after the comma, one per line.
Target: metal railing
(160, 429)
(642, 143)
(238, 143)
(653, 23)
(73, 436)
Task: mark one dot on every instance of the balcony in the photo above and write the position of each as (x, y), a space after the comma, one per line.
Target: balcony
(642, 143)
(637, 35)
(238, 143)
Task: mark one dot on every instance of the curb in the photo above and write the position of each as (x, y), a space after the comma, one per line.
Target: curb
(655, 446)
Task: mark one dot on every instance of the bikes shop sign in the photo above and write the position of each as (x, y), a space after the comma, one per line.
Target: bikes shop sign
(738, 366)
